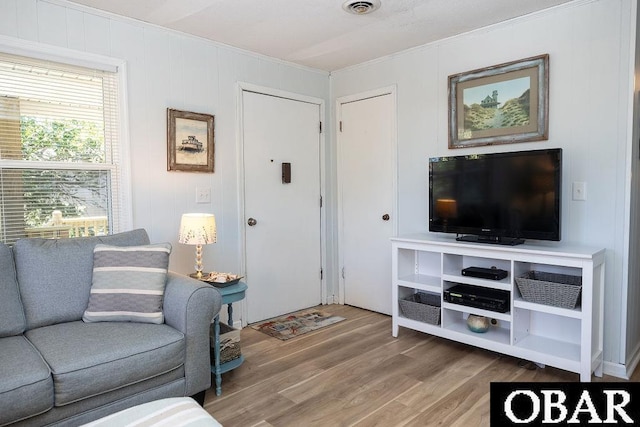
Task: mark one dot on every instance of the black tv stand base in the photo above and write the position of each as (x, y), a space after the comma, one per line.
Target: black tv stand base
(494, 240)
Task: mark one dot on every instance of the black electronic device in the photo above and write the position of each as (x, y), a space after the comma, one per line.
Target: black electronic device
(492, 273)
(500, 198)
(478, 297)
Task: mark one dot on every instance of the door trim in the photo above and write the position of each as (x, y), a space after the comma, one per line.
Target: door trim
(389, 90)
(242, 87)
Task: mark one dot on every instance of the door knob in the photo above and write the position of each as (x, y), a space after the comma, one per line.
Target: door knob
(251, 222)
(385, 217)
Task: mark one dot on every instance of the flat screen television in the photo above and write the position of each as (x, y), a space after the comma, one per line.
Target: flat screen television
(500, 198)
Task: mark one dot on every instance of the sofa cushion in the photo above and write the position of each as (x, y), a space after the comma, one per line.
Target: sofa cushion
(26, 386)
(88, 359)
(54, 275)
(12, 320)
(128, 283)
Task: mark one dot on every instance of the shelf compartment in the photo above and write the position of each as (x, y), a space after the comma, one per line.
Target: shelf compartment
(544, 325)
(421, 306)
(500, 300)
(520, 268)
(452, 264)
(561, 354)
(419, 326)
(553, 289)
(575, 313)
(457, 322)
(419, 265)
(504, 284)
(478, 311)
(423, 281)
(407, 291)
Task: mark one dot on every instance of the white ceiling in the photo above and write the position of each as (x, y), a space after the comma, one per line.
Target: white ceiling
(319, 33)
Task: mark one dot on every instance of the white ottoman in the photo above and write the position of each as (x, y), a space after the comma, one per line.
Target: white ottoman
(171, 412)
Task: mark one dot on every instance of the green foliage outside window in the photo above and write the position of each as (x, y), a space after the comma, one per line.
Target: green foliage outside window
(67, 190)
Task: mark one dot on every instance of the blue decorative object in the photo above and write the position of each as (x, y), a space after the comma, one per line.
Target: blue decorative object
(478, 323)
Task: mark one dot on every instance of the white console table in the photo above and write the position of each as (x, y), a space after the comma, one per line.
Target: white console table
(569, 339)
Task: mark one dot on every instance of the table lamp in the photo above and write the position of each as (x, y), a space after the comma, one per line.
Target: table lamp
(198, 229)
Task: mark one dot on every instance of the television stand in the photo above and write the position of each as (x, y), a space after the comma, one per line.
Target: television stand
(494, 240)
(565, 338)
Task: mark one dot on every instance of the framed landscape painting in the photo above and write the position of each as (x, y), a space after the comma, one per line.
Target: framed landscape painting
(190, 144)
(502, 104)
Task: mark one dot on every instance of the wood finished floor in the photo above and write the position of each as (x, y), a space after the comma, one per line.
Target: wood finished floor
(354, 373)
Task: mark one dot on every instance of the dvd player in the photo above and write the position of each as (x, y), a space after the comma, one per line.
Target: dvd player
(479, 297)
(492, 273)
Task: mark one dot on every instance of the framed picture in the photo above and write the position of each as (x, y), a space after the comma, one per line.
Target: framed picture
(190, 144)
(502, 104)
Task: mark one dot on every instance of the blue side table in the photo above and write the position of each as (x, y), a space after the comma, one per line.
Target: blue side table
(230, 294)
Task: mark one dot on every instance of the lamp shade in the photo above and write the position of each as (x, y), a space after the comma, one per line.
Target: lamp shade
(197, 229)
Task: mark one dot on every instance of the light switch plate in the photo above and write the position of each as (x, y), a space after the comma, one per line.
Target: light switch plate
(579, 191)
(203, 195)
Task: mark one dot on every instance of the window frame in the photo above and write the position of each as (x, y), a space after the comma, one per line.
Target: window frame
(122, 217)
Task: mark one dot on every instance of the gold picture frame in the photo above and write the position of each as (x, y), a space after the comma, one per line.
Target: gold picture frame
(190, 141)
(502, 104)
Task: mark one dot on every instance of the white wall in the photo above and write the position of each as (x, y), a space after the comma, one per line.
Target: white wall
(167, 69)
(589, 47)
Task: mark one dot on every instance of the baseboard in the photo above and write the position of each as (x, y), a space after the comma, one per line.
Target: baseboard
(633, 361)
(617, 370)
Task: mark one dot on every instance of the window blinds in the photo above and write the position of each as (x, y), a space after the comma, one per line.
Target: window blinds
(59, 162)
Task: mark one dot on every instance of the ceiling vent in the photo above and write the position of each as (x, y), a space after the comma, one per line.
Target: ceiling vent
(360, 7)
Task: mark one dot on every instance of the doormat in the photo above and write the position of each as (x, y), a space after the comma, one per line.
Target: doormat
(296, 324)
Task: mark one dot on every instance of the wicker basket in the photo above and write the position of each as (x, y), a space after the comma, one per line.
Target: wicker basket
(422, 307)
(229, 343)
(558, 290)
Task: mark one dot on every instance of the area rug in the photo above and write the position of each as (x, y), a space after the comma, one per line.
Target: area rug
(296, 324)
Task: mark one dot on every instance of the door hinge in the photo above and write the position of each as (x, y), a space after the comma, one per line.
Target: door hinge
(320, 127)
(340, 125)
(320, 201)
(321, 274)
(342, 272)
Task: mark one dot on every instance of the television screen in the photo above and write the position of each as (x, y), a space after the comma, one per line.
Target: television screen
(497, 198)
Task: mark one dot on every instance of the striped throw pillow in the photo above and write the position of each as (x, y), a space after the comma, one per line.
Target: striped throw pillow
(128, 283)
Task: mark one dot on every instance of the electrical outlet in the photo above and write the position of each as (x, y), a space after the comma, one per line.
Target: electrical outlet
(579, 191)
(203, 195)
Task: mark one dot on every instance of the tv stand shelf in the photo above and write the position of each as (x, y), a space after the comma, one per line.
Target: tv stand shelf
(569, 339)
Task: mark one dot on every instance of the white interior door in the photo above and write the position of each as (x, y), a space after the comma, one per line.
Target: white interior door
(366, 152)
(282, 220)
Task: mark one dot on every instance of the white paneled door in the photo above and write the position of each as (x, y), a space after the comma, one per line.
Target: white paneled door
(281, 152)
(366, 158)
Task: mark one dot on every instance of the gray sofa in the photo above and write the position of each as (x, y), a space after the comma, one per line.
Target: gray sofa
(56, 369)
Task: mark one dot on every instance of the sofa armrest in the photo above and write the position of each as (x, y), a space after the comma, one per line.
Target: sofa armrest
(190, 306)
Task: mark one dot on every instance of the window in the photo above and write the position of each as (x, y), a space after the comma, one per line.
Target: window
(59, 158)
